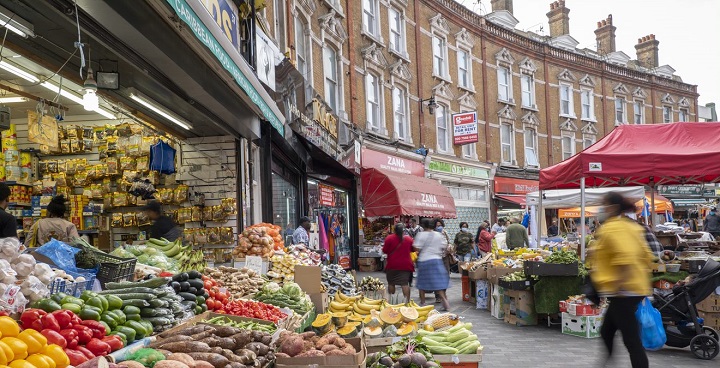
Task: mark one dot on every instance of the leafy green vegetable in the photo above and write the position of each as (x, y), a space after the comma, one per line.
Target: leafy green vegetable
(292, 289)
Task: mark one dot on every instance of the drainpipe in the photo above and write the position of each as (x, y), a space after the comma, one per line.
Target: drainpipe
(547, 109)
(418, 57)
(604, 103)
(485, 96)
(351, 72)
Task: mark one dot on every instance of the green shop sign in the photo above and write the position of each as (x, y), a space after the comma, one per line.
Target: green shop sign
(185, 12)
(446, 167)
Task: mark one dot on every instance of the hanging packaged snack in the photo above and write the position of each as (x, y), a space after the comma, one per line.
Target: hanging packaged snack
(99, 133)
(91, 172)
(130, 176)
(218, 214)
(124, 130)
(131, 200)
(107, 185)
(181, 194)
(112, 166)
(88, 132)
(88, 144)
(107, 202)
(110, 130)
(102, 149)
(97, 191)
(133, 148)
(197, 213)
(112, 145)
(62, 166)
(147, 142)
(207, 213)
(229, 206)
(42, 167)
(81, 164)
(65, 146)
(142, 219)
(213, 235)
(189, 236)
(52, 166)
(143, 163)
(184, 216)
(120, 199)
(201, 236)
(80, 178)
(117, 220)
(60, 179)
(129, 219)
(165, 196)
(226, 235)
(25, 159)
(76, 146)
(127, 163)
(154, 177)
(100, 171)
(71, 131)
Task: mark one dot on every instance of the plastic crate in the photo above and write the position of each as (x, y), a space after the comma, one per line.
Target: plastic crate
(71, 288)
(114, 269)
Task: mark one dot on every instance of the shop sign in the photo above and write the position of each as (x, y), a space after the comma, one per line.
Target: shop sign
(351, 158)
(711, 193)
(448, 168)
(465, 128)
(266, 58)
(321, 129)
(204, 35)
(515, 186)
(225, 14)
(690, 190)
(327, 195)
(384, 161)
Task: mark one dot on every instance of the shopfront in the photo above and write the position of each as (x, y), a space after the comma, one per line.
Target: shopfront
(469, 185)
(509, 195)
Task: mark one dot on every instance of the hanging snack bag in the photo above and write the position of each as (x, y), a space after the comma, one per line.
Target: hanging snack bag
(117, 220)
(127, 163)
(130, 176)
(154, 177)
(88, 132)
(213, 235)
(99, 133)
(107, 185)
(97, 191)
(197, 213)
(201, 236)
(189, 236)
(76, 146)
(218, 214)
(133, 148)
(207, 213)
(181, 194)
(129, 219)
(184, 215)
(229, 206)
(143, 163)
(112, 166)
(226, 235)
(120, 199)
(81, 178)
(101, 170)
(81, 164)
(60, 179)
(65, 146)
(112, 145)
(142, 219)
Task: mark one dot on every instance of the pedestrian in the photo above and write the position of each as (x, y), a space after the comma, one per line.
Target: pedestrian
(553, 229)
(54, 226)
(620, 271)
(398, 265)
(686, 226)
(448, 257)
(499, 226)
(163, 226)
(413, 228)
(516, 235)
(8, 223)
(712, 223)
(483, 239)
(651, 240)
(301, 235)
(432, 276)
(464, 245)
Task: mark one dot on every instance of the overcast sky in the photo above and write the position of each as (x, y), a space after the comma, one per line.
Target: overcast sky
(688, 31)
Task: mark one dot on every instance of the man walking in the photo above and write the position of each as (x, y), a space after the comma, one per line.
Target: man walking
(516, 235)
(413, 229)
(712, 223)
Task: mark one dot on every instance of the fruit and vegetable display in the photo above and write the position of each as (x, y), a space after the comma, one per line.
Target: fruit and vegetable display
(406, 353)
(335, 278)
(361, 306)
(371, 284)
(259, 240)
(238, 283)
(221, 346)
(309, 344)
(562, 257)
(252, 309)
(165, 255)
(243, 325)
(283, 265)
(458, 339)
(21, 277)
(515, 276)
(28, 348)
(290, 295)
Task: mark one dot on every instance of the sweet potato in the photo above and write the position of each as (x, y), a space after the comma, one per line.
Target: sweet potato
(202, 364)
(349, 350)
(226, 331)
(170, 339)
(257, 348)
(340, 342)
(131, 364)
(191, 330)
(183, 358)
(336, 352)
(311, 353)
(293, 345)
(307, 335)
(187, 347)
(217, 360)
(170, 364)
(327, 348)
(322, 342)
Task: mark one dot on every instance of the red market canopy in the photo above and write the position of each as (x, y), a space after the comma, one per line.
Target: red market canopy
(657, 154)
(387, 193)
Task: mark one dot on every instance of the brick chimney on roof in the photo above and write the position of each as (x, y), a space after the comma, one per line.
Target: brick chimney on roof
(605, 36)
(559, 19)
(502, 5)
(647, 52)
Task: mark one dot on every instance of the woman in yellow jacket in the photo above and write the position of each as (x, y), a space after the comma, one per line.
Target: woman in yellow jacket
(620, 263)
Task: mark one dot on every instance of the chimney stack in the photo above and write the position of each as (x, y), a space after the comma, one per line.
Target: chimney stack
(605, 36)
(647, 52)
(502, 5)
(559, 19)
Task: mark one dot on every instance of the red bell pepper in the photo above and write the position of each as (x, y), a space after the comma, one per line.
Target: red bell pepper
(71, 337)
(32, 318)
(76, 357)
(54, 337)
(114, 341)
(85, 351)
(85, 334)
(98, 347)
(64, 318)
(97, 328)
(4, 313)
(50, 322)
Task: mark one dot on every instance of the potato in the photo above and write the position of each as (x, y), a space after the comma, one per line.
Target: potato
(293, 346)
(170, 364)
(327, 348)
(336, 352)
(131, 364)
(311, 353)
(217, 360)
(182, 357)
(202, 364)
(257, 348)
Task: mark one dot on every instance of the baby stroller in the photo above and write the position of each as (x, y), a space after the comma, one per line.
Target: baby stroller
(680, 317)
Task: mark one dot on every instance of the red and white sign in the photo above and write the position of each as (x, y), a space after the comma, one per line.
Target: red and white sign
(515, 186)
(379, 160)
(327, 195)
(465, 128)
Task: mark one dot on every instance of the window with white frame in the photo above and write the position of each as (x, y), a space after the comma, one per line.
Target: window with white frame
(400, 116)
(374, 100)
(587, 142)
(442, 131)
(587, 104)
(566, 100)
(469, 151)
(504, 88)
(531, 153)
(527, 86)
(620, 110)
(568, 147)
(667, 114)
(639, 112)
(301, 55)
(397, 30)
(464, 69)
(330, 67)
(507, 145)
(683, 115)
(371, 17)
(279, 26)
(439, 46)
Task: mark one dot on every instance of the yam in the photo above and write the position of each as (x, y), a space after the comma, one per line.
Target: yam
(246, 356)
(183, 358)
(232, 357)
(293, 345)
(340, 342)
(258, 348)
(187, 347)
(327, 348)
(226, 331)
(217, 360)
(170, 364)
(243, 338)
(191, 330)
(132, 364)
(202, 364)
(266, 340)
(311, 353)
(336, 352)
(258, 335)
(158, 343)
(349, 350)
(203, 335)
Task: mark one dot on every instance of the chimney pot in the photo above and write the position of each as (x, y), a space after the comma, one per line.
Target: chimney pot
(639, 41)
(558, 19)
(647, 52)
(562, 3)
(599, 24)
(652, 36)
(605, 36)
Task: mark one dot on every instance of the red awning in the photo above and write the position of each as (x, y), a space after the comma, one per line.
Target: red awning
(387, 193)
(517, 199)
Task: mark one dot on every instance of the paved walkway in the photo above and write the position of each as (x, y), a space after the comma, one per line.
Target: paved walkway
(546, 347)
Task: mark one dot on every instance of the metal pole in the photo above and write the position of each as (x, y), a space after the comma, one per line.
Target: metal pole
(582, 218)
(538, 218)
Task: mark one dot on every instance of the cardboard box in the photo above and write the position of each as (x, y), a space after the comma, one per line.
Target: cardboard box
(309, 279)
(495, 273)
(711, 319)
(496, 302)
(370, 268)
(367, 261)
(357, 360)
(581, 326)
(563, 306)
(519, 308)
(479, 273)
(321, 301)
(582, 309)
(380, 344)
(711, 304)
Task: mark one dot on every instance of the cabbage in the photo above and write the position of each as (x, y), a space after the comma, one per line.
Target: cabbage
(292, 289)
(271, 288)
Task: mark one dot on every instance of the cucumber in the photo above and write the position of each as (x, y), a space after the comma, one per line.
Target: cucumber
(130, 290)
(152, 283)
(159, 321)
(136, 303)
(131, 310)
(189, 304)
(187, 296)
(136, 296)
(196, 283)
(158, 303)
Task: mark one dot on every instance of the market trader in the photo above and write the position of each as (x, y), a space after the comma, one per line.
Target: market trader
(516, 235)
(301, 235)
(8, 223)
(163, 226)
(712, 223)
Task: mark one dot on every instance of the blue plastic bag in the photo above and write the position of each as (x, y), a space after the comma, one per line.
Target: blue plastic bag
(652, 331)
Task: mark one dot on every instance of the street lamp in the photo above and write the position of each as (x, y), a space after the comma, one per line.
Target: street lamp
(431, 104)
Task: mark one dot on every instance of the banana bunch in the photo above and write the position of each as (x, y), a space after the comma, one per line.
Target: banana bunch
(342, 303)
(196, 261)
(186, 257)
(423, 312)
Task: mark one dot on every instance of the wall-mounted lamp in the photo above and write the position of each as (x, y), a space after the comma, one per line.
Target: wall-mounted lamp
(431, 104)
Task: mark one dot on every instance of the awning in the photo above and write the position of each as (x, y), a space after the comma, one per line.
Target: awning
(386, 193)
(515, 199)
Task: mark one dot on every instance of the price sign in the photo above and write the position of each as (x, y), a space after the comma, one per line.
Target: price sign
(254, 263)
(327, 195)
